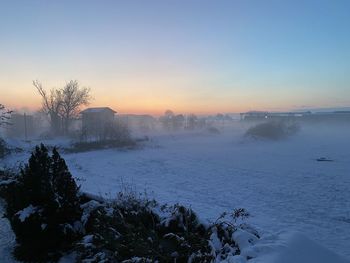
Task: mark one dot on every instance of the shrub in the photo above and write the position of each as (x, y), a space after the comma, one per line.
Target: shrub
(273, 130)
(183, 236)
(213, 130)
(98, 145)
(118, 230)
(132, 229)
(43, 207)
(7, 180)
(116, 135)
(114, 131)
(4, 150)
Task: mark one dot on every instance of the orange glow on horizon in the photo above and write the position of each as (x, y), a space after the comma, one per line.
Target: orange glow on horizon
(155, 101)
(156, 109)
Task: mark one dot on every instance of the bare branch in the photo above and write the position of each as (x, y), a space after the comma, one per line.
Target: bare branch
(5, 115)
(51, 105)
(73, 97)
(63, 103)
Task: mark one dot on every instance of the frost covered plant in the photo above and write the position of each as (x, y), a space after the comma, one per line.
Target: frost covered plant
(232, 219)
(185, 237)
(43, 207)
(118, 230)
(231, 237)
(132, 229)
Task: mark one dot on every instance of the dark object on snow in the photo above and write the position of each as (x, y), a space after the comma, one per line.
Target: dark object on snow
(324, 159)
(213, 130)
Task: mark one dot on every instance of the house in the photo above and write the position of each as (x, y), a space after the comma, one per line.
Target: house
(329, 117)
(96, 120)
(261, 115)
(254, 115)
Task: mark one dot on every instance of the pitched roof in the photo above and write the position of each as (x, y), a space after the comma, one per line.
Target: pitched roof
(97, 109)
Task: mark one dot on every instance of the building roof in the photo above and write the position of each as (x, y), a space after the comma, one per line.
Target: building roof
(97, 109)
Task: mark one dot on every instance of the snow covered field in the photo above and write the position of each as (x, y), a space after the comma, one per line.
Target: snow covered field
(280, 183)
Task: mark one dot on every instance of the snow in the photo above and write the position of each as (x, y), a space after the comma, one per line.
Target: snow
(87, 240)
(7, 238)
(215, 241)
(301, 249)
(245, 240)
(296, 247)
(27, 212)
(280, 183)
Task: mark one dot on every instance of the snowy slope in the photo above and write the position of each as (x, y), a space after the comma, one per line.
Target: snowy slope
(296, 247)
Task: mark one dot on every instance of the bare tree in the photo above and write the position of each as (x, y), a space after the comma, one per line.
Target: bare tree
(5, 115)
(73, 97)
(51, 105)
(62, 105)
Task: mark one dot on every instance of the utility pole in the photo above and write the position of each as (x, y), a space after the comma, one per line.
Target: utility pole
(25, 127)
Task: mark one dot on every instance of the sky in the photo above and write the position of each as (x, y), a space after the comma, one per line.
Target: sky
(190, 56)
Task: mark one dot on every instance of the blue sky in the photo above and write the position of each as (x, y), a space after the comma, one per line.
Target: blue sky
(190, 56)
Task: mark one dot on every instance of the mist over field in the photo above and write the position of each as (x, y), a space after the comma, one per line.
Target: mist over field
(188, 131)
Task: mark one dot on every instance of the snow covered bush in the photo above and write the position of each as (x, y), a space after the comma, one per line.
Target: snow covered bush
(128, 229)
(7, 179)
(184, 236)
(273, 130)
(232, 238)
(117, 232)
(133, 229)
(43, 207)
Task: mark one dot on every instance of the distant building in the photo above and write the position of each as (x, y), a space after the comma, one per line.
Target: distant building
(329, 117)
(254, 115)
(305, 116)
(262, 115)
(96, 120)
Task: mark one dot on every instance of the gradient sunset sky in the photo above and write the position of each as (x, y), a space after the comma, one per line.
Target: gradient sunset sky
(185, 55)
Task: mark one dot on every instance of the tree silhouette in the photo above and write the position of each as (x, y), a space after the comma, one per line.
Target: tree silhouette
(5, 115)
